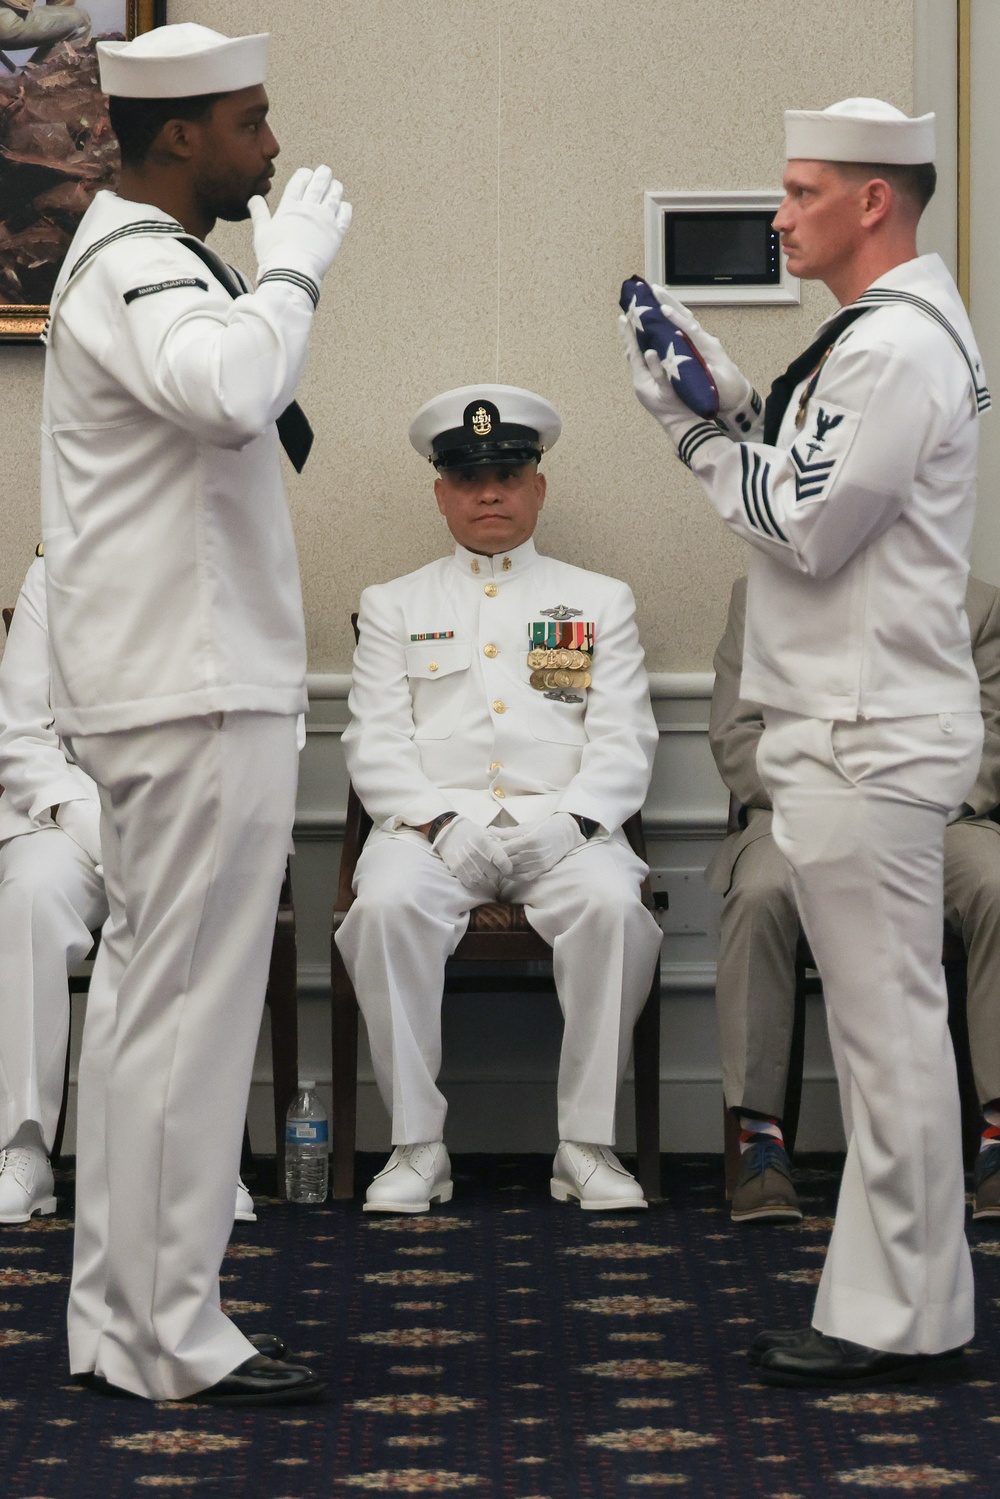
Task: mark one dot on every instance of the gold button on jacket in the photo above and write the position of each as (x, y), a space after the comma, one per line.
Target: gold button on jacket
(491, 651)
(499, 706)
(491, 590)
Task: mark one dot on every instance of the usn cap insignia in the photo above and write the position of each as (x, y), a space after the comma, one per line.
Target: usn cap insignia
(481, 416)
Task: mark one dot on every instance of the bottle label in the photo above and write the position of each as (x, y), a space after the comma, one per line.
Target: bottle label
(306, 1131)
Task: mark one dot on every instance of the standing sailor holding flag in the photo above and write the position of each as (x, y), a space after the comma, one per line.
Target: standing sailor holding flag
(178, 672)
(856, 490)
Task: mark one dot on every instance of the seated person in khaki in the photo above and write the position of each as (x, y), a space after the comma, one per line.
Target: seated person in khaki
(502, 733)
(759, 926)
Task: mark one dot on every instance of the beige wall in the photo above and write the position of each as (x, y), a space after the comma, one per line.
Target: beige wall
(496, 156)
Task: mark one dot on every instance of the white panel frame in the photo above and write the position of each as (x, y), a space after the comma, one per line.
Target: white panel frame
(785, 294)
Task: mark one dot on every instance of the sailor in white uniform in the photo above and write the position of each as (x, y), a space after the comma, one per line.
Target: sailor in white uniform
(857, 495)
(501, 734)
(178, 671)
(52, 901)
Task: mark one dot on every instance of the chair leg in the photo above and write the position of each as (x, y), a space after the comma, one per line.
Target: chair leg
(344, 1038)
(731, 1148)
(248, 1163)
(64, 1105)
(283, 1003)
(972, 1120)
(646, 1067)
(796, 1063)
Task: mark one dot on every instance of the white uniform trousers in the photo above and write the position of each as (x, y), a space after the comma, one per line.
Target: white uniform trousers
(408, 918)
(51, 901)
(196, 818)
(859, 812)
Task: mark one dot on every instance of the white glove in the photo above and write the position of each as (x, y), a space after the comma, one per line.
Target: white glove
(81, 821)
(304, 234)
(473, 854)
(536, 849)
(739, 404)
(654, 390)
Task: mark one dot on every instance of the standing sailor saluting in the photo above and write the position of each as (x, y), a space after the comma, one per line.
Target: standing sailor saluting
(857, 494)
(178, 672)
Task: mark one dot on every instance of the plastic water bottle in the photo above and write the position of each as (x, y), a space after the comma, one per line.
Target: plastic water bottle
(307, 1162)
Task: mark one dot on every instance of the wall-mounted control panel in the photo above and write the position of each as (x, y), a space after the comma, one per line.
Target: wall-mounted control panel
(717, 247)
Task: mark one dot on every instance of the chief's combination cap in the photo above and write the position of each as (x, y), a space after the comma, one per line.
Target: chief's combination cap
(859, 130)
(178, 62)
(484, 424)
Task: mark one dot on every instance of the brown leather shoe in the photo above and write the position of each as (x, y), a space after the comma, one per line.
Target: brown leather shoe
(765, 1192)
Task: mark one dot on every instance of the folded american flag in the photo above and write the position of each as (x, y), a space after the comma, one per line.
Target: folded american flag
(684, 366)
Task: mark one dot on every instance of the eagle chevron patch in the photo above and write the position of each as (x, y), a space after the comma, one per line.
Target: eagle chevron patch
(821, 447)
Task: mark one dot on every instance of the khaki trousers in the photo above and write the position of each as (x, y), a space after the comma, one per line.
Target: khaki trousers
(755, 986)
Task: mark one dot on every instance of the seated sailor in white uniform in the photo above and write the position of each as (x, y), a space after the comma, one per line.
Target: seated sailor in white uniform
(52, 900)
(501, 735)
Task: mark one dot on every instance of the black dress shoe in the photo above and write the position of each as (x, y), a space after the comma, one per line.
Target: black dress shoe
(262, 1381)
(765, 1341)
(821, 1360)
(98, 1385)
(269, 1344)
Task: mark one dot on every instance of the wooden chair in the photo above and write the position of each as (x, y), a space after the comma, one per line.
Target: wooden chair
(808, 981)
(281, 998)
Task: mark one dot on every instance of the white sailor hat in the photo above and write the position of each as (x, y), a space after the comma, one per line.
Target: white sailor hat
(484, 424)
(859, 130)
(180, 61)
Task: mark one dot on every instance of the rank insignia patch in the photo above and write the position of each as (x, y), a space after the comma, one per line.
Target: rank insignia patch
(821, 447)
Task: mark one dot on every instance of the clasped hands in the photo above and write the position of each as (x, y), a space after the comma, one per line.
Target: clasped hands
(477, 855)
(738, 403)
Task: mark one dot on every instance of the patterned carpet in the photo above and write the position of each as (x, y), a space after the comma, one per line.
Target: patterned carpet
(508, 1347)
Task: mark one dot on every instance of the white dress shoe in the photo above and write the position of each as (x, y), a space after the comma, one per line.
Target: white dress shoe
(244, 1203)
(412, 1178)
(26, 1184)
(595, 1176)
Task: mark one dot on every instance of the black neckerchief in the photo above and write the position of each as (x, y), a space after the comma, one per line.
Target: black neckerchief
(293, 425)
(781, 391)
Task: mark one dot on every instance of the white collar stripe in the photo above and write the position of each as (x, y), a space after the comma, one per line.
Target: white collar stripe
(876, 296)
(140, 226)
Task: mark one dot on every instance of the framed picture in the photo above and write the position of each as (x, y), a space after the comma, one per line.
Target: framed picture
(56, 145)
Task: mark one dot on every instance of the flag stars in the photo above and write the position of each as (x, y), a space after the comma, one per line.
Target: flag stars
(634, 315)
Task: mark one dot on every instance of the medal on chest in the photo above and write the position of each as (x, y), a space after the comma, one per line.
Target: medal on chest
(561, 654)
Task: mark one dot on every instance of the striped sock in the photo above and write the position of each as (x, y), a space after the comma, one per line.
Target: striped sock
(752, 1126)
(991, 1127)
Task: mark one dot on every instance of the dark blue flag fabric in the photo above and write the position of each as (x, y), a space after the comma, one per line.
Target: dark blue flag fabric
(684, 366)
